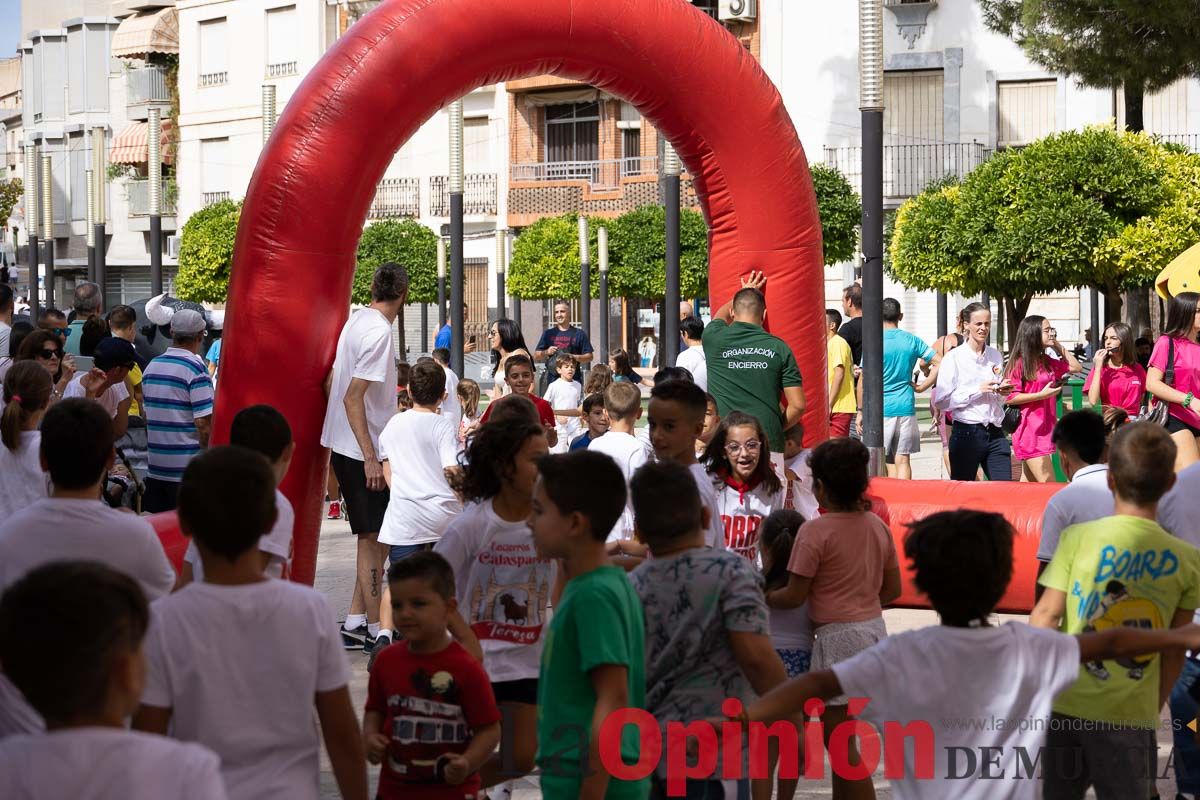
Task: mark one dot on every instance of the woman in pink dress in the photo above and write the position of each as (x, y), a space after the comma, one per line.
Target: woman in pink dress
(1037, 378)
(1179, 335)
(1117, 379)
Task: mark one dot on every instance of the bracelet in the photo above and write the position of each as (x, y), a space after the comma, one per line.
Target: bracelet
(1187, 401)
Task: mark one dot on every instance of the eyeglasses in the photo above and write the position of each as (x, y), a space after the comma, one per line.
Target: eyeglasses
(751, 447)
(61, 331)
(46, 355)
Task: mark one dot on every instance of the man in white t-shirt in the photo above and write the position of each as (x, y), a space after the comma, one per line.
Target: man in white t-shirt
(362, 398)
(73, 524)
(6, 315)
(451, 409)
(113, 358)
(692, 359)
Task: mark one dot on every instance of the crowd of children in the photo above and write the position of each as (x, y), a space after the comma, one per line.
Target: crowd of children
(553, 563)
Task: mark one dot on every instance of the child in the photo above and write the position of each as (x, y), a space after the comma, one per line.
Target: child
(503, 585)
(449, 408)
(1123, 570)
(799, 494)
(706, 621)
(27, 388)
(263, 430)
(427, 681)
(518, 374)
(618, 362)
(739, 461)
(468, 399)
(564, 396)
(596, 419)
(712, 420)
(85, 685)
(594, 661)
(237, 662)
(623, 402)
(844, 564)
(599, 378)
(966, 668)
(676, 415)
(403, 371)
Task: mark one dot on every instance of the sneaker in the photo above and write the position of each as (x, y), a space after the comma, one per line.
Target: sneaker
(355, 639)
(335, 510)
(377, 645)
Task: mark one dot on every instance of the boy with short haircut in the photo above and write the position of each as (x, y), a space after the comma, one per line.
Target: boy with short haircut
(596, 419)
(843, 404)
(1080, 439)
(85, 685)
(518, 374)
(564, 396)
(238, 661)
(1123, 570)
(264, 430)
(593, 664)
(623, 402)
(799, 494)
(712, 421)
(707, 633)
(962, 562)
(676, 417)
(428, 680)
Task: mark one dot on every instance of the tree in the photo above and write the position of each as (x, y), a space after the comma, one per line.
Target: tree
(638, 253)
(206, 253)
(405, 242)
(841, 213)
(10, 194)
(545, 259)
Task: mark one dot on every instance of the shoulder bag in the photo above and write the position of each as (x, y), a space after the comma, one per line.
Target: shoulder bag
(1155, 410)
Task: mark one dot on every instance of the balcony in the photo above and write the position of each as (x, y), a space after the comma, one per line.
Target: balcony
(145, 87)
(604, 174)
(137, 192)
(208, 198)
(208, 79)
(595, 188)
(282, 70)
(909, 168)
(396, 197)
(479, 194)
(1191, 141)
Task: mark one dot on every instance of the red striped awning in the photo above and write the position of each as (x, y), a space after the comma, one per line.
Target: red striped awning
(132, 145)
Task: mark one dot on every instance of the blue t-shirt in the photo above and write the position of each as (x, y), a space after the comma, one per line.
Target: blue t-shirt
(214, 352)
(901, 352)
(581, 443)
(443, 337)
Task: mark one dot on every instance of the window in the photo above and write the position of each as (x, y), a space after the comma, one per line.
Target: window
(1026, 111)
(214, 53)
(631, 151)
(707, 6)
(477, 145)
(913, 108)
(1164, 112)
(573, 133)
(214, 170)
(281, 42)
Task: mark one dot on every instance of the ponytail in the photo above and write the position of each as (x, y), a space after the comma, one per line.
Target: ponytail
(27, 388)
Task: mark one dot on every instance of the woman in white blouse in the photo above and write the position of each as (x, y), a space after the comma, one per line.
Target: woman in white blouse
(971, 387)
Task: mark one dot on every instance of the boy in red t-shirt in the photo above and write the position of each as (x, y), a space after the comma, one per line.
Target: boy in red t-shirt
(431, 697)
(518, 373)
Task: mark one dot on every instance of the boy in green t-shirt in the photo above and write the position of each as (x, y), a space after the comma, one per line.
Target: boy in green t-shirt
(1122, 570)
(594, 661)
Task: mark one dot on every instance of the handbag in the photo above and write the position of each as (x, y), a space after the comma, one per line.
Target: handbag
(1012, 419)
(1154, 410)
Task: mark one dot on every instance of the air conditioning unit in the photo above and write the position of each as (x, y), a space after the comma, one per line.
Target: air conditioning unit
(737, 10)
(172, 247)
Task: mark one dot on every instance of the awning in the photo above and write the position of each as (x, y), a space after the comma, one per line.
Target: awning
(563, 97)
(132, 145)
(154, 32)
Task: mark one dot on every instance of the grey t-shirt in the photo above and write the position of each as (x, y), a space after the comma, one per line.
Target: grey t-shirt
(692, 601)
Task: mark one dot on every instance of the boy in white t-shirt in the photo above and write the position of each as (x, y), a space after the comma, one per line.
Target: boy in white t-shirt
(264, 430)
(105, 382)
(85, 685)
(238, 661)
(966, 669)
(565, 396)
(623, 401)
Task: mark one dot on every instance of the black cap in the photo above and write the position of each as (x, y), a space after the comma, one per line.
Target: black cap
(113, 351)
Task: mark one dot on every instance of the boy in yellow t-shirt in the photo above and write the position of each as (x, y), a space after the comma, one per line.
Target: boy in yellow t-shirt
(842, 403)
(1122, 570)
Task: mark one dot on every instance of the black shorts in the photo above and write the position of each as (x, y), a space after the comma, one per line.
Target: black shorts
(1176, 425)
(522, 691)
(364, 507)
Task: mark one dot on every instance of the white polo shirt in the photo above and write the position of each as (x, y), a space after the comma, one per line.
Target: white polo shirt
(1085, 499)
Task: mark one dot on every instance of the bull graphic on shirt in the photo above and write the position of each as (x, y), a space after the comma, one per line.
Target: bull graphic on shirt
(1119, 608)
(511, 612)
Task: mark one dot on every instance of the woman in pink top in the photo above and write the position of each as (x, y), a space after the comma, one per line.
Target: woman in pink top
(1037, 380)
(1182, 328)
(1117, 379)
(844, 565)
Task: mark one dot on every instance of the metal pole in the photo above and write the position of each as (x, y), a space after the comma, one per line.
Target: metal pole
(154, 163)
(585, 279)
(870, 77)
(425, 325)
(1094, 339)
(456, 237)
(268, 111)
(516, 301)
(671, 170)
(90, 177)
(48, 225)
(986, 299)
(602, 246)
(31, 226)
(943, 316)
(500, 247)
(441, 280)
(98, 232)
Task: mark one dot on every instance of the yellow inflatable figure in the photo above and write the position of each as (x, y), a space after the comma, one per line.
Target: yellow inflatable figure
(1181, 275)
(1118, 608)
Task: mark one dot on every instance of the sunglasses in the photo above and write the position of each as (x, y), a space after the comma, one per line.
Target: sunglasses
(61, 331)
(46, 355)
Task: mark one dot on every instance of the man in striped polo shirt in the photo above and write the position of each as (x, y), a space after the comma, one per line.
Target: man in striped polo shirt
(177, 397)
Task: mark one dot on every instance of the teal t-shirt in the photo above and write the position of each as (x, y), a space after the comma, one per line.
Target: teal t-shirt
(598, 621)
(76, 333)
(901, 352)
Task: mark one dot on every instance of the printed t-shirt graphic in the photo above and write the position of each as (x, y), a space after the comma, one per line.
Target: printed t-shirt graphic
(743, 508)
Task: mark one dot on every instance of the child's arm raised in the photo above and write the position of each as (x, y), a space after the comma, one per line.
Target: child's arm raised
(374, 742)
(611, 683)
(339, 728)
(758, 660)
(1123, 642)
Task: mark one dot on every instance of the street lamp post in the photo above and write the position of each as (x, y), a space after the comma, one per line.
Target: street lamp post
(457, 341)
(501, 237)
(31, 225)
(154, 165)
(671, 192)
(48, 225)
(870, 82)
(602, 246)
(90, 180)
(98, 233)
(585, 279)
(441, 280)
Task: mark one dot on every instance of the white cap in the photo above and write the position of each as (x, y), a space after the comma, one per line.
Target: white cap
(186, 321)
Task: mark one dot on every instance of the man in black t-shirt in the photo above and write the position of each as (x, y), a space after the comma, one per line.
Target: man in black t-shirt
(852, 330)
(564, 337)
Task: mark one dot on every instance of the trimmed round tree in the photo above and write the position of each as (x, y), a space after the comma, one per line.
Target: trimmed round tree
(841, 213)
(405, 242)
(206, 253)
(545, 259)
(637, 242)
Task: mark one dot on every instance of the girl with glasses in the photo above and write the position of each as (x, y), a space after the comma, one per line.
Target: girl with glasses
(748, 490)
(47, 349)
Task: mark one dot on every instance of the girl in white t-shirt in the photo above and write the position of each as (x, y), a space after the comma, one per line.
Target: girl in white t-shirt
(27, 389)
(748, 490)
(468, 398)
(503, 585)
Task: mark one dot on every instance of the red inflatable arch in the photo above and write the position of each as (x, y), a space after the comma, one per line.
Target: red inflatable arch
(391, 72)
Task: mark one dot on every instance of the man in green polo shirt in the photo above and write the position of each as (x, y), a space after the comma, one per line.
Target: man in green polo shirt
(748, 368)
